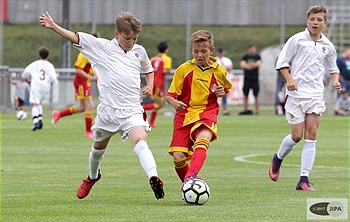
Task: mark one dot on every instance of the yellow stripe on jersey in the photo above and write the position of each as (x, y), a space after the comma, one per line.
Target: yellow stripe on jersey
(193, 84)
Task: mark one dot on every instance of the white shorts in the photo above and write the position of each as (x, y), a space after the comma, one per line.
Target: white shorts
(297, 108)
(35, 97)
(110, 121)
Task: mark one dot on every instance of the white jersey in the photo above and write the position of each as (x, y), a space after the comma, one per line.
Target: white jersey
(224, 61)
(309, 61)
(118, 72)
(42, 74)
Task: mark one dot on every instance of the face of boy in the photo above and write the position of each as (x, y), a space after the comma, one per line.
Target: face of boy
(201, 51)
(316, 22)
(126, 41)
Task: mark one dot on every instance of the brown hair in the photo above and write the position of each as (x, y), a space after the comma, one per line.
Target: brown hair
(43, 52)
(317, 9)
(202, 36)
(126, 22)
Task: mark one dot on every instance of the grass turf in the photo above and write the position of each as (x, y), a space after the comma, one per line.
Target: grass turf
(42, 170)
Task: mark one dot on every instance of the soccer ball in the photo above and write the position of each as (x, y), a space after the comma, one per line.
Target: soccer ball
(195, 191)
(21, 115)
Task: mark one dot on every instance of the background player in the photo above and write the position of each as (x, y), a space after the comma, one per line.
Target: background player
(162, 65)
(41, 74)
(82, 85)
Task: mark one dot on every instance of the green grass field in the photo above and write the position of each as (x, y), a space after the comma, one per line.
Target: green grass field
(42, 170)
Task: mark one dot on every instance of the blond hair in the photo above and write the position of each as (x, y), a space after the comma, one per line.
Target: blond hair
(127, 23)
(202, 36)
(317, 9)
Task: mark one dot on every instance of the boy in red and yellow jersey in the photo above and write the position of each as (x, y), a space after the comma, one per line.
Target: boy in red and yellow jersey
(82, 85)
(193, 93)
(162, 65)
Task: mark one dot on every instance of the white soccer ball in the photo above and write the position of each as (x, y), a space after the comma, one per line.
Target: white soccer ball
(195, 191)
(21, 115)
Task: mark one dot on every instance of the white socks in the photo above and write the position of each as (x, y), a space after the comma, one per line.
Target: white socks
(147, 160)
(95, 159)
(35, 114)
(308, 157)
(286, 146)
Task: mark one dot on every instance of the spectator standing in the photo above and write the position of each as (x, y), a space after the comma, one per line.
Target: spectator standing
(343, 63)
(250, 64)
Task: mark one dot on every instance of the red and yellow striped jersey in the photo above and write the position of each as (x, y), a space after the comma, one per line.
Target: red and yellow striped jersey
(83, 63)
(194, 85)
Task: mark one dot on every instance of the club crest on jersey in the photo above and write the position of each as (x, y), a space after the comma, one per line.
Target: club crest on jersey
(137, 54)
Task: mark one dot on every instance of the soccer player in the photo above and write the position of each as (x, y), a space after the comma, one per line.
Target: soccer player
(311, 54)
(82, 85)
(162, 65)
(118, 64)
(41, 74)
(193, 93)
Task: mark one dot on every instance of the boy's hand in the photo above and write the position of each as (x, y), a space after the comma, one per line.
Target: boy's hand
(147, 90)
(219, 91)
(337, 86)
(46, 20)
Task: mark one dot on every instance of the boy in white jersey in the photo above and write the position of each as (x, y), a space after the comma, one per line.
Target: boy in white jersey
(118, 64)
(41, 74)
(311, 55)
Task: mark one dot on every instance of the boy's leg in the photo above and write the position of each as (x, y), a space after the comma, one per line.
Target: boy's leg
(148, 164)
(95, 159)
(198, 158)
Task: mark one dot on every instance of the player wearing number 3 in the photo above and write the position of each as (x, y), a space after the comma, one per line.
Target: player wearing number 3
(41, 74)
(118, 64)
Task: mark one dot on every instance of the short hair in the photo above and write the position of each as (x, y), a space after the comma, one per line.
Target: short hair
(317, 9)
(43, 52)
(251, 45)
(202, 36)
(162, 46)
(126, 22)
(221, 49)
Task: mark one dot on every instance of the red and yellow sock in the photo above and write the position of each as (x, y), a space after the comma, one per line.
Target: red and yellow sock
(181, 168)
(198, 157)
(69, 111)
(88, 120)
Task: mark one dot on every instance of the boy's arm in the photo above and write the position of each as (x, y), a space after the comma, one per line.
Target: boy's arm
(47, 22)
(147, 90)
(291, 85)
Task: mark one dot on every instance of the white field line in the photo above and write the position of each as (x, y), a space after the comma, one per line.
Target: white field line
(244, 160)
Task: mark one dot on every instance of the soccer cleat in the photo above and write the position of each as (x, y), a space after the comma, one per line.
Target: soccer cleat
(55, 117)
(302, 185)
(89, 134)
(35, 127)
(275, 166)
(157, 187)
(86, 185)
(40, 124)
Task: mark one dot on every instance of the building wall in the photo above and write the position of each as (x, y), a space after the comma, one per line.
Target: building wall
(172, 12)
